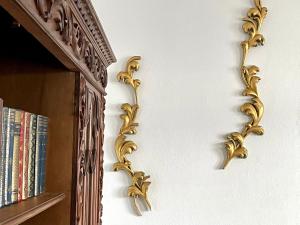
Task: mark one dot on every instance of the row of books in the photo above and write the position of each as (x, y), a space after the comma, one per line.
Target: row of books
(22, 155)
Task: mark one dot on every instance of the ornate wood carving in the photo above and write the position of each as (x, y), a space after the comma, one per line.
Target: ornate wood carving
(89, 156)
(101, 142)
(73, 34)
(64, 20)
(84, 7)
(44, 8)
(71, 31)
(96, 57)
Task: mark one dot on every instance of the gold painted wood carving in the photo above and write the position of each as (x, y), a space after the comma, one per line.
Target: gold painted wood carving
(254, 108)
(139, 186)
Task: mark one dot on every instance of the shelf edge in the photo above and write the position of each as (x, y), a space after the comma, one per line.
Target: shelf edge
(22, 217)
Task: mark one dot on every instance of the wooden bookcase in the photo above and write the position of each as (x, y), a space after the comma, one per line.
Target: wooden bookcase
(53, 62)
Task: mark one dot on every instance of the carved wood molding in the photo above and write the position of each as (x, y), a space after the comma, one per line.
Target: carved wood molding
(73, 33)
(88, 13)
(89, 162)
(101, 159)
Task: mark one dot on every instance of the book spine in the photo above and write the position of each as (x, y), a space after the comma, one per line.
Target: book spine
(31, 161)
(15, 162)
(37, 156)
(1, 162)
(21, 152)
(42, 144)
(9, 155)
(26, 156)
(2, 154)
(6, 158)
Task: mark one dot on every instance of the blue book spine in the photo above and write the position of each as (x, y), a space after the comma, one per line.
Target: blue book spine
(9, 155)
(16, 153)
(31, 161)
(3, 156)
(42, 135)
(37, 155)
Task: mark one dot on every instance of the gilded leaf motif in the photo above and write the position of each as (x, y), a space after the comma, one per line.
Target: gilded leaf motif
(139, 187)
(129, 126)
(258, 4)
(134, 191)
(250, 110)
(257, 40)
(256, 130)
(123, 166)
(249, 27)
(241, 152)
(124, 148)
(127, 76)
(254, 108)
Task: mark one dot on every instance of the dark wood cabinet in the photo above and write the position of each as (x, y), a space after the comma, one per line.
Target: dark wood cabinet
(53, 62)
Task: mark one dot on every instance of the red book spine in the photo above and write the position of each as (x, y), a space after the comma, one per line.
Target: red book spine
(21, 151)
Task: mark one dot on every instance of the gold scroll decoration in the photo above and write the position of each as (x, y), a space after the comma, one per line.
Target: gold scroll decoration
(254, 108)
(139, 181)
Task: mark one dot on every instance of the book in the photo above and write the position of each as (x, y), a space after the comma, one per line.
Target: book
(21, 151)
(37, 156)
(15, 158)
(40, 156)
(26, 141)
(23, 155)
(3, 124)
(31, 161)
(3, 156)
(9, 155)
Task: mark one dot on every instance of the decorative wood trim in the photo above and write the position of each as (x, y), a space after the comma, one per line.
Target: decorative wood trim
(89, 14)
(101, 154)
(96, 56)
(89, 161)
(72, 32)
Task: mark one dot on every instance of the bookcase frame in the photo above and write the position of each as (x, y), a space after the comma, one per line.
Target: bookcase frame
(69, 74)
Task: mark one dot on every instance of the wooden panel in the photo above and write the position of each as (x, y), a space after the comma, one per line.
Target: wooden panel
(18, 213)
(89, 157)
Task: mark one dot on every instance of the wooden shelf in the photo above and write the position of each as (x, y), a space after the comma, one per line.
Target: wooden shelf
(20, 212)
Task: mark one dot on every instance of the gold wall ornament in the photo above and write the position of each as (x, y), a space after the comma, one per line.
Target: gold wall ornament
(139, 182)
(254, 108)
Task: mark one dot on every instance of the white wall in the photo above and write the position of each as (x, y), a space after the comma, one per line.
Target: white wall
(190, 98)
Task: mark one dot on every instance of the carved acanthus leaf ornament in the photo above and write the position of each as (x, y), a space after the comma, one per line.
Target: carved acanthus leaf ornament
(254, 109)
(123, 147)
